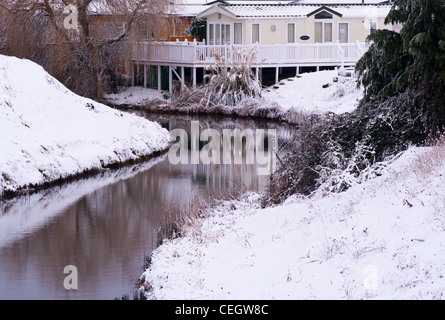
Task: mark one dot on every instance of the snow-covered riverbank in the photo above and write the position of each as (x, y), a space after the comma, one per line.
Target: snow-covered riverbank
(383, 239)
(49, 133)
(316, 93)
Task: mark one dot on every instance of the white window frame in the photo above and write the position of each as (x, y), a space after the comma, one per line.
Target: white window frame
(208, 32)
(338, 31)
(323, 22)
(251, 32)
(221, 24)
(242, 36)
(287, 32)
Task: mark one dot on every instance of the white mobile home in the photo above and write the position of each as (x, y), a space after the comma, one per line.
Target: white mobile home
(284, 34)
(271, 24)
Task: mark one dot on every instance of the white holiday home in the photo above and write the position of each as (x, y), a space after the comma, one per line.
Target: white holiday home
(272, 23)
(286, 36)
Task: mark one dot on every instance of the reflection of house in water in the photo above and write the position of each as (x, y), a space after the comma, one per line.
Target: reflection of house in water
(238, 167)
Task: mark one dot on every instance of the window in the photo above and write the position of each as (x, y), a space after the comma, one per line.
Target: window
(318, 32)
(343, 32)
(372, 26)
(238, 33)
(323, 32)
(291, 33)
(114, 28)
(227, 34)
(219, 34)
(324, 15)
(211, 34)
(327, 36)
(255, 33)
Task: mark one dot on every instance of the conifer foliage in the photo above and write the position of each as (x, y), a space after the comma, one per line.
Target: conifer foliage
(415, 55)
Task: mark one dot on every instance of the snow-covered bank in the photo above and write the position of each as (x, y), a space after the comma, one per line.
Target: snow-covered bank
(48, 133)
(383, 239)
(133, 96)
(315, 93)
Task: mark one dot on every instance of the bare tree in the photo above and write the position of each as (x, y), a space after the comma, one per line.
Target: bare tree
(81, 42)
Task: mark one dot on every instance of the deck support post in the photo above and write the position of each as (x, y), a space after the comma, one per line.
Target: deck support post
(159, 78)
(194, 77)
(145, 75)
(170, 80)
(182, 78)
(277, 70)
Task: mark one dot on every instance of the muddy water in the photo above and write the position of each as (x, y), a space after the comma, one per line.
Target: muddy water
(105, 225)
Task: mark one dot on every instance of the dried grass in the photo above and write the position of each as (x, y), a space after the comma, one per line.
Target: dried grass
(230, 82)
(180, 219)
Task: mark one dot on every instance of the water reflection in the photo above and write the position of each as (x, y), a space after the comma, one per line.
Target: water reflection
(105, 225)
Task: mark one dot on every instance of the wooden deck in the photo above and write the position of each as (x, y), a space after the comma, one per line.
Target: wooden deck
(199, 55)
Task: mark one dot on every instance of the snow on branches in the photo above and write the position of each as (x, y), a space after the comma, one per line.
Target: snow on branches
(231, 82)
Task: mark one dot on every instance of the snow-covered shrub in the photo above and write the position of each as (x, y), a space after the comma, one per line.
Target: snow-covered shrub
(295, 172)
(330, 154)
(230, 83)
(337, 173)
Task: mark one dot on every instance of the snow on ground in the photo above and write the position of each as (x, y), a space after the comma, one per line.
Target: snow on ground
(48, 132)
(306, 93)
(315, 92)
(383, 239)
(134, 96)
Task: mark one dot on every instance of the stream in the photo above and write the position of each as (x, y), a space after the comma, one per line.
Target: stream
(105, 225)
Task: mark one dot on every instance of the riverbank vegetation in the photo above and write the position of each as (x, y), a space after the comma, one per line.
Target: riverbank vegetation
(403, 75)
(84, 44)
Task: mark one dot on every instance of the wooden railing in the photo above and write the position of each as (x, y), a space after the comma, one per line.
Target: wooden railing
(200, 53)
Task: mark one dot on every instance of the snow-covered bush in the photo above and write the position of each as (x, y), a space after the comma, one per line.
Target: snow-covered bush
(337, 173)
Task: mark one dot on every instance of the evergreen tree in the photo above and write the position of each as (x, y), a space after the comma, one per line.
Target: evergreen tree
(423, 36)
(382, 69)
(416, 55)
(198, 28)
